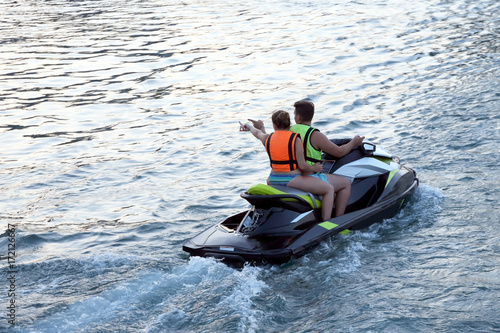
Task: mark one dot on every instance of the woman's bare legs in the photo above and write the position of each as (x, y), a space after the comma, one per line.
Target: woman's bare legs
(317, 186)
(343, 190)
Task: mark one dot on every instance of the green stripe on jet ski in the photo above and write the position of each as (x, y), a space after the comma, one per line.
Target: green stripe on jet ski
(386, 160)
(391, 174)
(329, 226)
(261, 189)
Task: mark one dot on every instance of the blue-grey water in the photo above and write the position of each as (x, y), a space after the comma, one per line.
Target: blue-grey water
(119, 141)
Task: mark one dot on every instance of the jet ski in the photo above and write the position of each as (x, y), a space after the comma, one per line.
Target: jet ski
(284, 223)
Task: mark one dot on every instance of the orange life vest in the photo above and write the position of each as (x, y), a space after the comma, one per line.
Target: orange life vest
(280, 147)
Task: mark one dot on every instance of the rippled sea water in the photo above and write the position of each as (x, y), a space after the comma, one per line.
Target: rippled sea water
(119, 132)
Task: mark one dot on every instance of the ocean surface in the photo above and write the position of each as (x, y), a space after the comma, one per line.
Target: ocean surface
(119, 141)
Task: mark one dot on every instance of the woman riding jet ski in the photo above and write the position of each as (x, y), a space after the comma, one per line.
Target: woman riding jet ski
(284, 222)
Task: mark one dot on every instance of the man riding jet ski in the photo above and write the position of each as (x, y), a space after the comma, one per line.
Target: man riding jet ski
(284, 222)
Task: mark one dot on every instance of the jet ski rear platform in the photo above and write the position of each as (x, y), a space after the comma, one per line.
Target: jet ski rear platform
(284, 222)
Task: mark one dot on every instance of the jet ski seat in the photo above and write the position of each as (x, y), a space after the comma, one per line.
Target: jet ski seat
(264, 196)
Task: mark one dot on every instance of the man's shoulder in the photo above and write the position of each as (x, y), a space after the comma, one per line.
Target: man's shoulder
(319, 139)
(299, 127)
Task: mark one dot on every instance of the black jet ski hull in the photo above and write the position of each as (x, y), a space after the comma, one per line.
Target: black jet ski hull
(284, 223)
(223, 243)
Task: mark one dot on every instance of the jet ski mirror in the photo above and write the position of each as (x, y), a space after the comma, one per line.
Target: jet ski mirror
(368, 148)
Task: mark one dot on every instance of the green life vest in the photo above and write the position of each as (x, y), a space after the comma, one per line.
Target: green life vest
(311, 154)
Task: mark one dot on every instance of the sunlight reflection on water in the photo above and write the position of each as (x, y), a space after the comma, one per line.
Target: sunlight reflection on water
(120, 140)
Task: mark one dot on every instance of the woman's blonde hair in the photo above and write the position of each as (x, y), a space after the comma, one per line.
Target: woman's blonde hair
(281, 119)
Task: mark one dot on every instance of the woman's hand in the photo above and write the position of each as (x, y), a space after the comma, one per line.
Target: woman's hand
(262, 136)
(318, 167)
(244, 127)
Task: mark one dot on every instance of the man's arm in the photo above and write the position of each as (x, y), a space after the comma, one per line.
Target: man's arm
(319, 140)
(258, 124)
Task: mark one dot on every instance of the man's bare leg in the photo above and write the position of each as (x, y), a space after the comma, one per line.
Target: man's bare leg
(342, 188)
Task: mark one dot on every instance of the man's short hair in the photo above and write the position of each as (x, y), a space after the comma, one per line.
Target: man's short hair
(304, 109)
